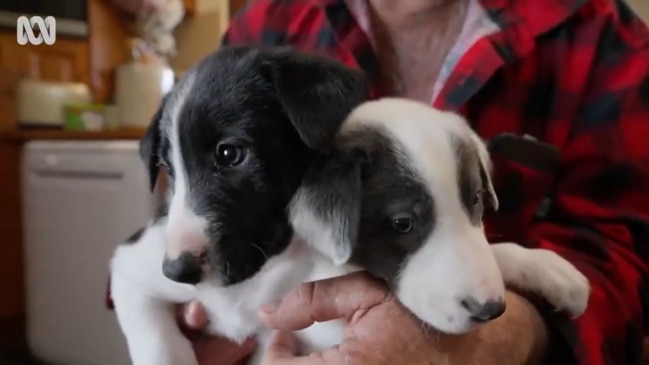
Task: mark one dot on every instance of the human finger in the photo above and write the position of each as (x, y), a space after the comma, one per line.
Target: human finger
(283, 349)
(283, 346)
(324, 300)
(192, 315)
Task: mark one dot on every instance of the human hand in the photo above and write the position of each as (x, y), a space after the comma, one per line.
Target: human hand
(210, 350)
(381, 331)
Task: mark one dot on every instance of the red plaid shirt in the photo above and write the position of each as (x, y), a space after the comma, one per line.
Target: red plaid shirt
(572, 73)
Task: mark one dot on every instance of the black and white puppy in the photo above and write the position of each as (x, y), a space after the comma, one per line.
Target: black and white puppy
(239, 136)
(235, 135)
(402, 194)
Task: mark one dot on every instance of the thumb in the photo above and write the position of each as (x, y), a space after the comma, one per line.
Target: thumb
(324, 300)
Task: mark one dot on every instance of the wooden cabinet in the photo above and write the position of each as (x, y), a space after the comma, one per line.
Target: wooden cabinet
(8, 82)
(11, 256)
(66, 60)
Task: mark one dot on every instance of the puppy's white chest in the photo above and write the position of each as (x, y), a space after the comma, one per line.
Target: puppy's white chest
(233, 310)
(229, 317)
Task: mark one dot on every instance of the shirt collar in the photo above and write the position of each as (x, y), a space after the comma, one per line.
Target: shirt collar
(536, 16)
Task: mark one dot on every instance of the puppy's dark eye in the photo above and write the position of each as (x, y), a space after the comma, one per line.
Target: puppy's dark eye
(477, 197)
(403, 225)
(229, 155)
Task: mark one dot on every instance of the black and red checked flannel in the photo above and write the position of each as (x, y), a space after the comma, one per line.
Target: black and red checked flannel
(572, 73)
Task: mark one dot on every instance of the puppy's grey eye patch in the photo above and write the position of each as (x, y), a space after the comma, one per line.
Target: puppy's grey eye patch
(230, 154)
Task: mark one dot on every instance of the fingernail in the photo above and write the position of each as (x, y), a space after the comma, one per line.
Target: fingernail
(190, 309)
(271, 306)
(194, 317)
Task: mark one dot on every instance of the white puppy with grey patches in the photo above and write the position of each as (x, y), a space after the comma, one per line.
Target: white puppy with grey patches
(402, 195)
(257, 207)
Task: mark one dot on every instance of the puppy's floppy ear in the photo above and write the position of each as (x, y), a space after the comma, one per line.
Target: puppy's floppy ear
(326, 209)
(485, 171)
(149, 145)
(317, 93)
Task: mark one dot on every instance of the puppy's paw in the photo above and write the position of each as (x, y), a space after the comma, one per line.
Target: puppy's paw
(559, 282)
(545, 273)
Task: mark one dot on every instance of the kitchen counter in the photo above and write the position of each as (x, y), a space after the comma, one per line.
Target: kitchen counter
(24, 135)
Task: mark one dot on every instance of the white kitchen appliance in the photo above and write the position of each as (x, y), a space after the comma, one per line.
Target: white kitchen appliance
(80, 199)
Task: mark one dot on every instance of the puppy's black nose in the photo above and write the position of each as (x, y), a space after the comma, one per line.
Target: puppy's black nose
(186, 269)
(483, 312)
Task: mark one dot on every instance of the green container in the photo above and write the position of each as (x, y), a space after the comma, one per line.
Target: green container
(86, 117)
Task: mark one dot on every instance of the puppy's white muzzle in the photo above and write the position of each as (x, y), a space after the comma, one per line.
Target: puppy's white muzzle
(453, 282)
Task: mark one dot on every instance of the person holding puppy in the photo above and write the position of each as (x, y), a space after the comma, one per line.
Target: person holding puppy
(573, 74)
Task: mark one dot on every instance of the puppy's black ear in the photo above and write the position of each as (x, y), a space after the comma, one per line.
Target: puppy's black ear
(149, 145)
(326, 210)
(317, 94)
